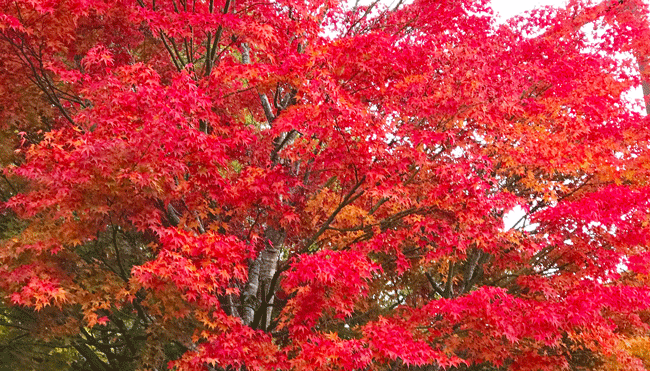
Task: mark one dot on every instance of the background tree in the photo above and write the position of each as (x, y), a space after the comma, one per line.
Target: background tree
(290, 185)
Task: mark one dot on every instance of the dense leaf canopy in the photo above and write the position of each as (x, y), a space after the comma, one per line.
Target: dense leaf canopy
(307, 185)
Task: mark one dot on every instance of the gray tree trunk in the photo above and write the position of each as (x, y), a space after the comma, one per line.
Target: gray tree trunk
(260, 274)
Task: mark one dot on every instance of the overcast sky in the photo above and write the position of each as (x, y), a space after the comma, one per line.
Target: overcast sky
(509, 8)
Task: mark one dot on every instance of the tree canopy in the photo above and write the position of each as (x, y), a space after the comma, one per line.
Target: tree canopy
(322, 185)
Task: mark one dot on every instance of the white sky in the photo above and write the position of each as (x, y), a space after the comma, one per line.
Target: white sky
(509, 8)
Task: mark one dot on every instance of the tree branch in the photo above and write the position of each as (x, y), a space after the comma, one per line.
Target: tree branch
(434, 284)
(349, 198)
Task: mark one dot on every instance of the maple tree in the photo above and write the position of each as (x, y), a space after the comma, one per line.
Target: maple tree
(322, 185)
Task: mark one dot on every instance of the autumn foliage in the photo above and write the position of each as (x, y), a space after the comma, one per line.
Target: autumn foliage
(307, 185)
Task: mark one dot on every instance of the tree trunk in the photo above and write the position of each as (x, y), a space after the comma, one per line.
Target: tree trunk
(642, 60)
(260, 276)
